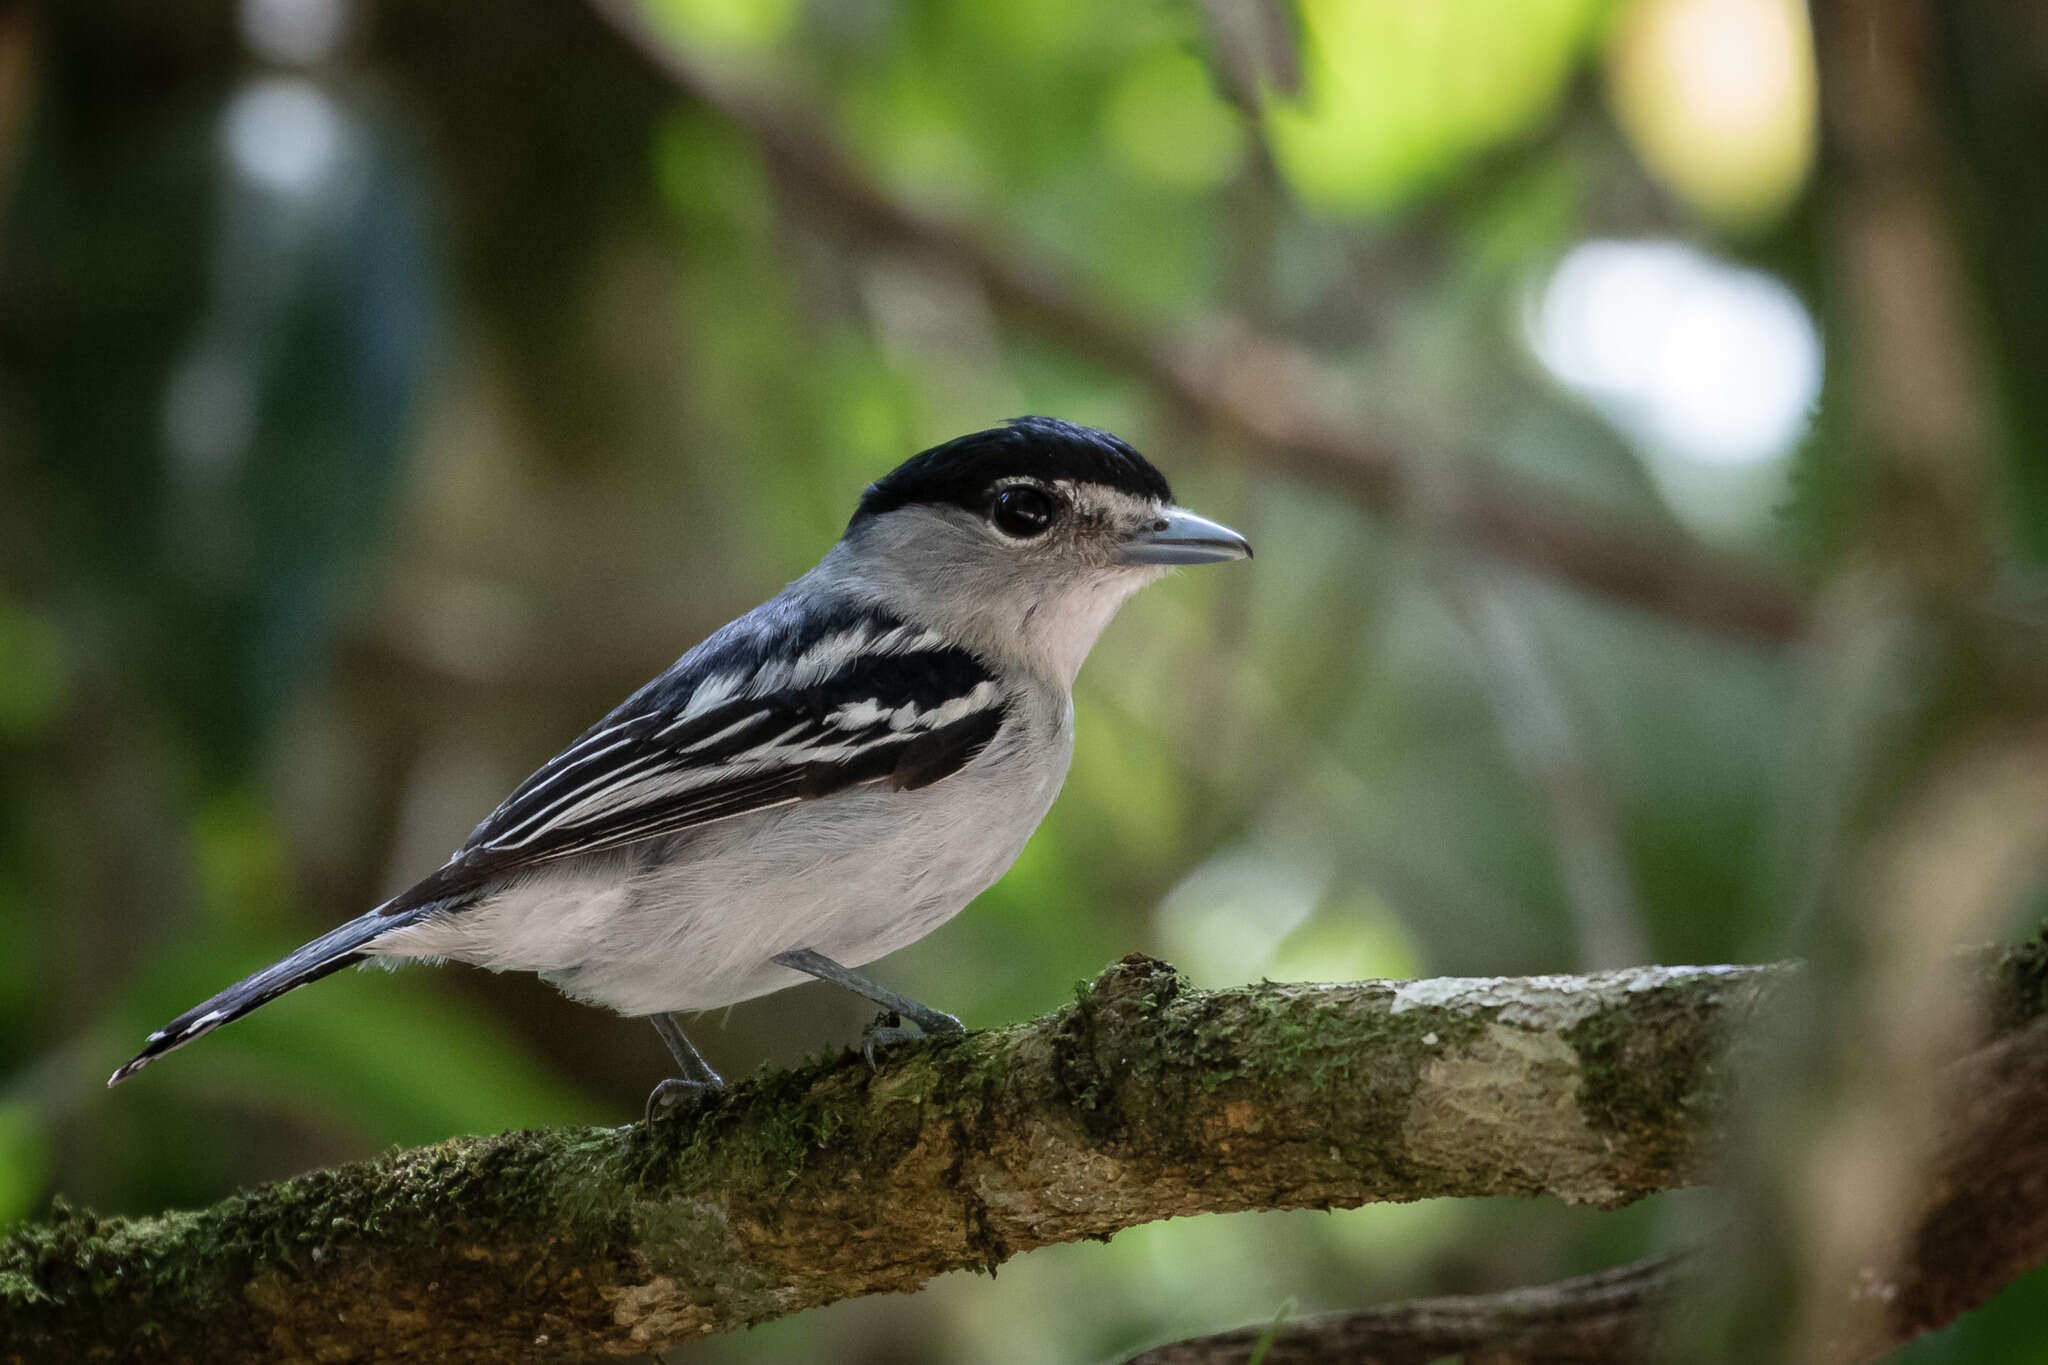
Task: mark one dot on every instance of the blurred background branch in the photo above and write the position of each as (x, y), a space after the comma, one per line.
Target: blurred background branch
(1610, 1317)
(1273, 396)
(1979, 1222)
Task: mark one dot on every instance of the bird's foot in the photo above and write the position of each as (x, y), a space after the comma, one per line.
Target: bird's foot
(678, 1096)
(892, 1027)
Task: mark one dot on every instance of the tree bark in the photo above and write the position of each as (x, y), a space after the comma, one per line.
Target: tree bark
(1981, 1222)
(1143, 1099)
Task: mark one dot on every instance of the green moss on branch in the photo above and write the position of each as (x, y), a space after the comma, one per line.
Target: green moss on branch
(1143, 1099)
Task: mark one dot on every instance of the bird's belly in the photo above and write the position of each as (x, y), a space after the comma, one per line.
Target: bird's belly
(693, 923)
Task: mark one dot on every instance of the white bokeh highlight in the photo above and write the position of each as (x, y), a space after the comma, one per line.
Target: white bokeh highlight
(1225, 922)
(1711, 369)
(284, 134)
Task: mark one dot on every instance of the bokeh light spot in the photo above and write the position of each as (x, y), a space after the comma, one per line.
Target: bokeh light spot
(1719, 99)
(283, 134)
(1705, 365)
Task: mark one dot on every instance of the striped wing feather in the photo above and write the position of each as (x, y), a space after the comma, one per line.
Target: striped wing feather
(665, 763)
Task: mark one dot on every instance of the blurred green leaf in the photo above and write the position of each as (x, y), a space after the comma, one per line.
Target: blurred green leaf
(727, 25)
(32, 682)
(243, 875)
(24, 1161)
(1166, 119)
(1397, 95)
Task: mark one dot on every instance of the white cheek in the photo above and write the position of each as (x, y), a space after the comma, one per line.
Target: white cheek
(1066, 629)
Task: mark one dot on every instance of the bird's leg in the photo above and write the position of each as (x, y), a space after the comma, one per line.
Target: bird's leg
(885, 1030)
(696, 1078)
(811, 962)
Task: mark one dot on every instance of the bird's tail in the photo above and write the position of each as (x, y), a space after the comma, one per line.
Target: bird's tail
(329, 953)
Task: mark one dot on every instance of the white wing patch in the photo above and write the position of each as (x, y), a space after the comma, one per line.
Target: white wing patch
(842, 735)
(871, 715)
(821, 661)
(720, 687)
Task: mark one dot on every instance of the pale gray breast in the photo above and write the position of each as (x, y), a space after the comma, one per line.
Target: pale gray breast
(691, 921)
(861, 873)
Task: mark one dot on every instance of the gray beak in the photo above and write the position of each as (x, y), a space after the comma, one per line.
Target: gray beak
(1181, 537)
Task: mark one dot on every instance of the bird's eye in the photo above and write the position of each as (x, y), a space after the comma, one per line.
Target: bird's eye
(1022, 511)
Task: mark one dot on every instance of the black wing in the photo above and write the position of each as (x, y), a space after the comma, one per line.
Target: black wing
(769, 712)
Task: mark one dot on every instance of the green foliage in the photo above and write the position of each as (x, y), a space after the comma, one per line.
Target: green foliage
(2006, 1330)
(24, 1161)
(1397, 96)
(31, 672)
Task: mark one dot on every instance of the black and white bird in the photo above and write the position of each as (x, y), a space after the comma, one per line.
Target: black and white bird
(826, 779)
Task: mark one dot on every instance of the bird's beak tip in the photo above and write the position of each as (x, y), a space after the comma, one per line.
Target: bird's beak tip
(1182, 537)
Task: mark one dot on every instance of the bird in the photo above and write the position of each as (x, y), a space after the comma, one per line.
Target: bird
(826, 779)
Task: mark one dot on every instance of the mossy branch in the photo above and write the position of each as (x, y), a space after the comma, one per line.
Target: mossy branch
(1979, 1221)
(1143, 1099)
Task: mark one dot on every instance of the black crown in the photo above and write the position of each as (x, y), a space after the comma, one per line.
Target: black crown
(962, 472)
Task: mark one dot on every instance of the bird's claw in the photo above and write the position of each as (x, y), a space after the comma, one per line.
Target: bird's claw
(886, 1032)
(891, 1028)
(676, 1095)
